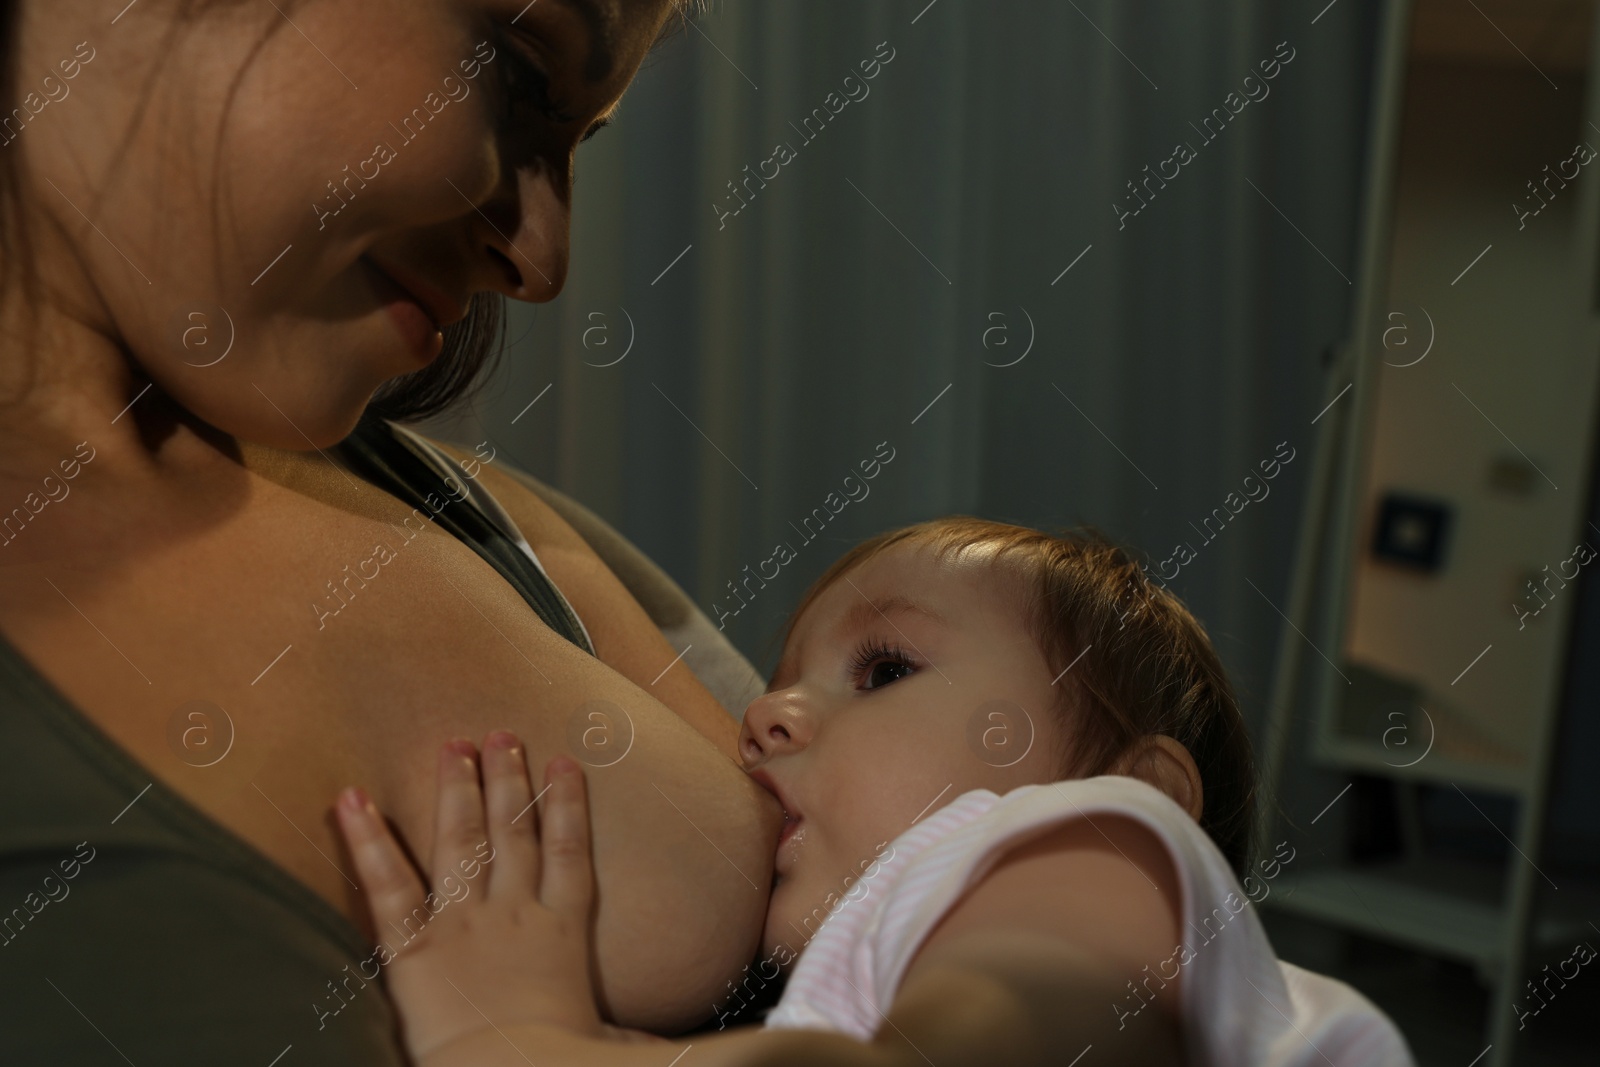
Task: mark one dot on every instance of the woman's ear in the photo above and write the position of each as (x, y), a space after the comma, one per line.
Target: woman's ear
(1164, 763)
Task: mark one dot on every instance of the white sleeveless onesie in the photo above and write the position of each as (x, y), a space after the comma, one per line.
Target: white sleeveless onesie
(1240, 1005)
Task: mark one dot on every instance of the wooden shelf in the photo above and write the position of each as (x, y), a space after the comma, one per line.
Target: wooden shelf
(1551, 34)
(1449, 909)
(1367, 758)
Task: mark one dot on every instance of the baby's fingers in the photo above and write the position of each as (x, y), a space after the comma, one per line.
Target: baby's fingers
(391, 883)
(459, 834)
(508, 802)
(566, 884)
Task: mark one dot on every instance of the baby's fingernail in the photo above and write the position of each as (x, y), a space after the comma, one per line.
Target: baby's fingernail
(500, 739)
(461, 746)
(355, 800)
(562, 765)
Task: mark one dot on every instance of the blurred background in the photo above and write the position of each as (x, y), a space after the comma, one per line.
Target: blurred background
(969, 235)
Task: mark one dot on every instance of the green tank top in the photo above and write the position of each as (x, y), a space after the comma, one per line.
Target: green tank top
(136, 929)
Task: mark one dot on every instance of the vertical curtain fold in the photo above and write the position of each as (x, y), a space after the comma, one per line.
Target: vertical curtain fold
(852, 288)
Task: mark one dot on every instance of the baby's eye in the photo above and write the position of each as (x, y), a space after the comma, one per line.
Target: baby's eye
(876, 664)
(885, 671)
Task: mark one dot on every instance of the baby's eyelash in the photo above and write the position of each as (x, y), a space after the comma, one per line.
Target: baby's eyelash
(872, 652)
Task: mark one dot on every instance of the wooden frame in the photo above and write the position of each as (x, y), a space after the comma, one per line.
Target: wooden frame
(1444, 913)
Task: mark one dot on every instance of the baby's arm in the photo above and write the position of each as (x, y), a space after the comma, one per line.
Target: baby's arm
(1023, 971)
(1033, 963)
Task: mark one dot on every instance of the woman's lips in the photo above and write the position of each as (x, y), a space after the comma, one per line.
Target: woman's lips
(421, 334)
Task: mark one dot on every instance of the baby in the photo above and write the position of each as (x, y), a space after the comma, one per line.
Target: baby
(1018, 799)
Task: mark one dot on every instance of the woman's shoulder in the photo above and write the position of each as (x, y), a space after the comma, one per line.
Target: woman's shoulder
(551, 518)
(525, 499)
(630, 607)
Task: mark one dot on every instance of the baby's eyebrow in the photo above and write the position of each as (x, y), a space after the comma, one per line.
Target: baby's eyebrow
(870, 610)
(864, 613)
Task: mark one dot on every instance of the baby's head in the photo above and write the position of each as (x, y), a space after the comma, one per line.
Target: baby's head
(963, 654)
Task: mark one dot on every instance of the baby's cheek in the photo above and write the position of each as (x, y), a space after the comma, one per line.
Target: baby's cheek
(879, 807)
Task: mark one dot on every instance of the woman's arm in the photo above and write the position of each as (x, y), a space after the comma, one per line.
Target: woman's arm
(1030, 968)
(1012, 999)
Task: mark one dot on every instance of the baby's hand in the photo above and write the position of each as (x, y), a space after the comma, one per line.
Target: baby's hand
(504, 937)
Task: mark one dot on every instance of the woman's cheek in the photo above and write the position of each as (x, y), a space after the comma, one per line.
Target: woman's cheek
(425, 167)
(440, 165)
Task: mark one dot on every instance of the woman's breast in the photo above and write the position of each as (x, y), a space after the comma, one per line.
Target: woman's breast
(332, 649)
(683, 839)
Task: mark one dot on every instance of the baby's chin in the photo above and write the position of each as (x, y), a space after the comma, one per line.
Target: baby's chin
(784, 936)
(777, 921)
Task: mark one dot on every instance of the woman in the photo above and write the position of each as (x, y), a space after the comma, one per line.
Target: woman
(226, 224)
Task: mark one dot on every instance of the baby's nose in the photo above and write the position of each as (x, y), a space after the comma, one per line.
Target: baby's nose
(773, 724)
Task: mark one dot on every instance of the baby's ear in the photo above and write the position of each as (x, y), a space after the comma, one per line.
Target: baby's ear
(1158, 760)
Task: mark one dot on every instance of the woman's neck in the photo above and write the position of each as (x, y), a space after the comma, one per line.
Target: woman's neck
(65, 379)
(96, 462)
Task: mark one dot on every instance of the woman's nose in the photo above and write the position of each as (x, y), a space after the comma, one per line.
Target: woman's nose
(523, 233)
(774, 724)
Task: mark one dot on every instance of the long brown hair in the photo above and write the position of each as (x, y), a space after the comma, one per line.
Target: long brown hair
(1149, 668)
(472, 347)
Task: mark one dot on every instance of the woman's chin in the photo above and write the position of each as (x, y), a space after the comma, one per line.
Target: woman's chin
(278, 413)
(306, 393)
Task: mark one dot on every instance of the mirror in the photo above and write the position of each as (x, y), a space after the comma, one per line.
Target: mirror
(1472, 442)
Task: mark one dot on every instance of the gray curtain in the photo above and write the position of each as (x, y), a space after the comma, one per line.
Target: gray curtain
(904, 248)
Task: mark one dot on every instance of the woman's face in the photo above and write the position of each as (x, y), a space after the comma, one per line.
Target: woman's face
(909, 681)
(266, 181)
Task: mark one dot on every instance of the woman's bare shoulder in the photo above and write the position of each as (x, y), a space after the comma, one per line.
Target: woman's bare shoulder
(540, 523)
(625, 637)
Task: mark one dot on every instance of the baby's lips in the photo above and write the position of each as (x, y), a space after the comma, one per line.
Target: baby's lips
(789, 840)
(765, 780)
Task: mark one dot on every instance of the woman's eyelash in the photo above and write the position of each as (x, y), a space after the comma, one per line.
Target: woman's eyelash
(525, 82)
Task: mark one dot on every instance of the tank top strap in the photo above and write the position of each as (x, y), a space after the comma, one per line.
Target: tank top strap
(419, 473)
